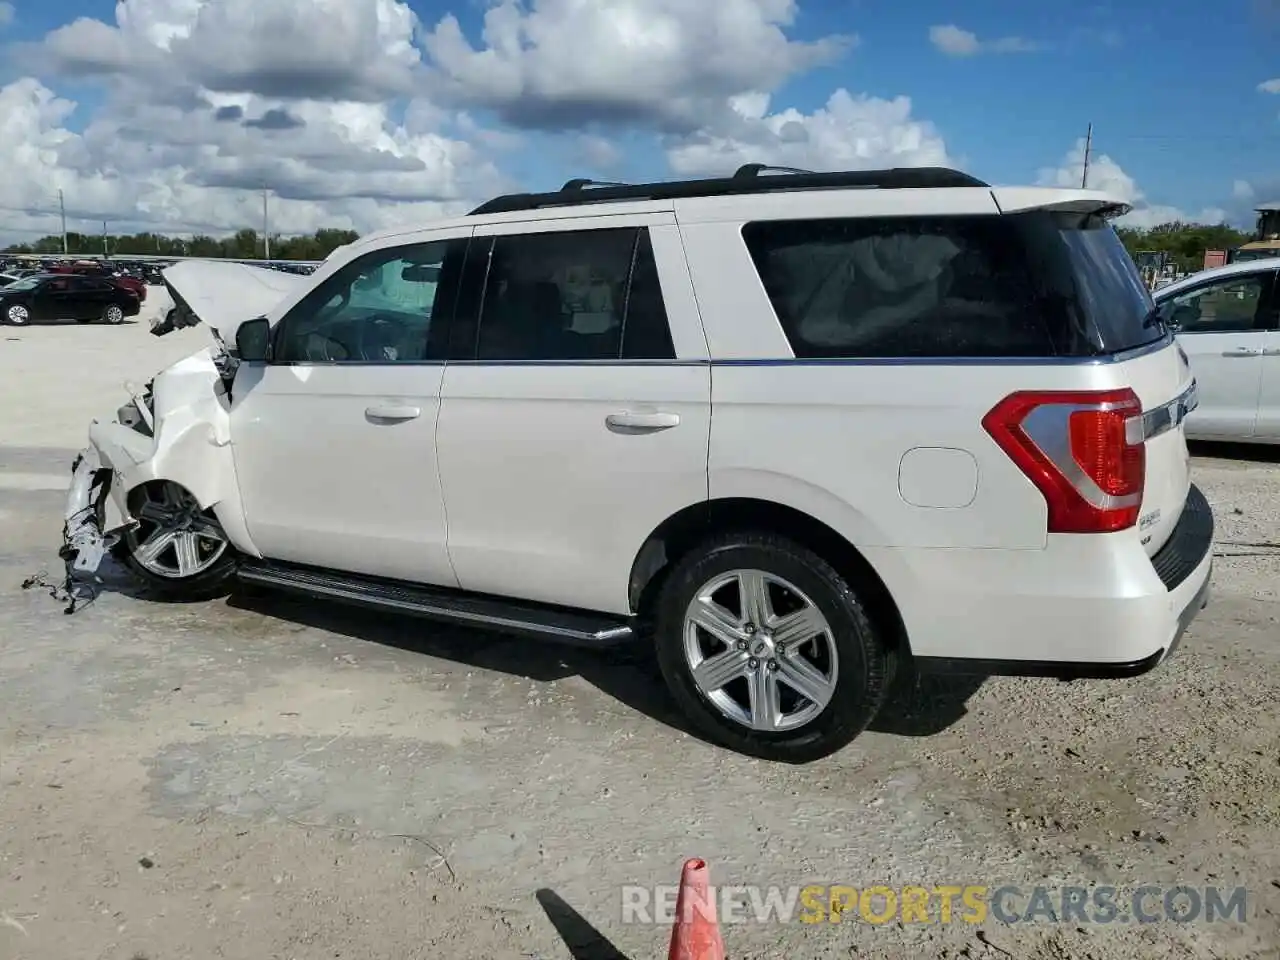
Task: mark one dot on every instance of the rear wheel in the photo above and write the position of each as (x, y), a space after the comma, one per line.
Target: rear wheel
(113, 314)
(768, 650)
(178, 550)
(18, 315)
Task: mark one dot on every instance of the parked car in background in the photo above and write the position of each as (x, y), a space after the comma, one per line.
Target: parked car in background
(90, 268)
(1228, 322)
(52, 296)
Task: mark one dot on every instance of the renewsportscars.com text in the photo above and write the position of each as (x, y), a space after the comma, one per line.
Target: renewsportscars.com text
(943, 904)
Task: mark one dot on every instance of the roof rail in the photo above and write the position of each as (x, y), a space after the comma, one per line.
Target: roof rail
(747, 180)
(582, 183)
(755, 169)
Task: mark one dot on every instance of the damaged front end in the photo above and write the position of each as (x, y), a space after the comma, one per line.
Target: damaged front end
(176, 430)
(84, 543)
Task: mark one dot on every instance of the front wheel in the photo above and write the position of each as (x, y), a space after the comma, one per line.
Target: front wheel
(18, 315)
(177, 550)
(113, 315)
(768, 650)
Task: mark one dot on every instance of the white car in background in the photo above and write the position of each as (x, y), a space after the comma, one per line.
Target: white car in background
(1228, 322)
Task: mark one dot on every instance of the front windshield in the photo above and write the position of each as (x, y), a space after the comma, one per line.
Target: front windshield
(29, 283)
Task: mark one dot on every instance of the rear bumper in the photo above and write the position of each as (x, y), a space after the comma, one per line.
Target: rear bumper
(1085, 606)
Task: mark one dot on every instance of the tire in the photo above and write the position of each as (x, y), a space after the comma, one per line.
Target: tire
(114, 314)
(850, 654)
(164, 508)
(18, 315)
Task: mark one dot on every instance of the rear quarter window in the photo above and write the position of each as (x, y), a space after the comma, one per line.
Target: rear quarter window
(1026, 285)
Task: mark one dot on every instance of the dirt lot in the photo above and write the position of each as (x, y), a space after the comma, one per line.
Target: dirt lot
(253, 779)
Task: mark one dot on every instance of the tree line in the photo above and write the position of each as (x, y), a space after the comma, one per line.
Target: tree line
(1184, 242)
(243, 245)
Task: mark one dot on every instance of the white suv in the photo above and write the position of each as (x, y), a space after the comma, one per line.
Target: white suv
(794, 429)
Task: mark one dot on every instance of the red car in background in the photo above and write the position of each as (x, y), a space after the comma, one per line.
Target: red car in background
(91, 268)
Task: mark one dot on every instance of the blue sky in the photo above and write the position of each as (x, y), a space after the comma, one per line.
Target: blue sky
(1173, 90)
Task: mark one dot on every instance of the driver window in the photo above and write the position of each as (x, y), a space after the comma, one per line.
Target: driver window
(1229, 307)
(376, 309)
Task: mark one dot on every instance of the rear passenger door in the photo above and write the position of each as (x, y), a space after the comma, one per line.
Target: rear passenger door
(95, 296)
(575, 409)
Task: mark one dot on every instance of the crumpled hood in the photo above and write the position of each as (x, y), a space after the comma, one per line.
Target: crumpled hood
(223, 295)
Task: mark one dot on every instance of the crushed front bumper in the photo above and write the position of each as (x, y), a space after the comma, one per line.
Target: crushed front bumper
(84, 542)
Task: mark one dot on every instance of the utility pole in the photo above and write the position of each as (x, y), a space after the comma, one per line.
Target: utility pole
(266, 226)
(105, 254)
(1088, 149)
(62, 209)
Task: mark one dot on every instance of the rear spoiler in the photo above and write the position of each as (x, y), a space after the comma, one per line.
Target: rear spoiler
(1060, 200)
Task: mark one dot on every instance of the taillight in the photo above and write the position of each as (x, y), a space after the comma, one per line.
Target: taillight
(1084, 451)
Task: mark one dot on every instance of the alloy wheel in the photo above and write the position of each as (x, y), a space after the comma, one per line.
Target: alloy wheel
(18, 315)
(760, 650)
(115, 314)
(174, 538)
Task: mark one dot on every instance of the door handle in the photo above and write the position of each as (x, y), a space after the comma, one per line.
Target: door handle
(1243, 352)
(394, 413)
(641, 422)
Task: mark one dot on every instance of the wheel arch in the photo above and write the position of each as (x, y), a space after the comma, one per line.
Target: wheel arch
(683, 530)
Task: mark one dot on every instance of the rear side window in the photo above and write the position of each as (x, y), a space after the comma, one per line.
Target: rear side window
(1026, 285)
(574, 295)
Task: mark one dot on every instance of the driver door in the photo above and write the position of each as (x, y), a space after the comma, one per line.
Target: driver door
(334, 436)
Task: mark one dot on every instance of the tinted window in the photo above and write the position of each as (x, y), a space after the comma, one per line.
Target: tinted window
(581, 295)
(646, 332)
(1230, 306)
(378, 308)
(1088, 281)
(1025, 285)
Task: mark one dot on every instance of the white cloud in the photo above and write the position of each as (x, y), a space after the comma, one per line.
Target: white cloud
(160, 166)
(7, 13)
(210, 100)
(1270, 86)
(850, 132)
(1107, 175)
(597, 152)
(955, 42)
(360, 115)
(555, 64)
(340, 50)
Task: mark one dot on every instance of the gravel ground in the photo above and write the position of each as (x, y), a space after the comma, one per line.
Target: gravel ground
(269, 779)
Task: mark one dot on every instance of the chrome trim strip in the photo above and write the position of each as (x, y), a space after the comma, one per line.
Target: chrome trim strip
(1123, 357)
(1113, 358)
(1160, 420)
(602, 362)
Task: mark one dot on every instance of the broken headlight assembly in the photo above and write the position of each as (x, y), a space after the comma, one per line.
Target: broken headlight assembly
(139, 413)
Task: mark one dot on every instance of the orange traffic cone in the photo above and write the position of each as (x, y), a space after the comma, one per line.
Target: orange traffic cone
(696, 935)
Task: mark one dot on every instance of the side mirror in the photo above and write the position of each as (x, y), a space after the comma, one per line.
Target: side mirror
(253, 340)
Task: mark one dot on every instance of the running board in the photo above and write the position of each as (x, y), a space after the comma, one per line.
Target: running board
(557, 624)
